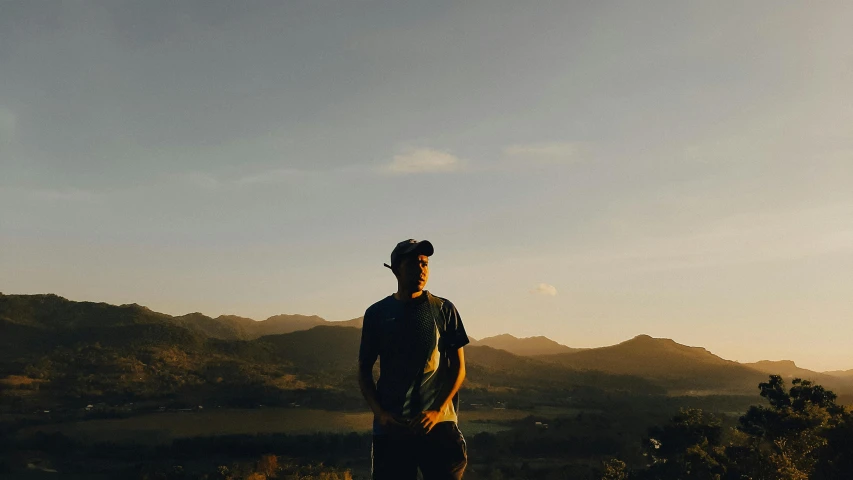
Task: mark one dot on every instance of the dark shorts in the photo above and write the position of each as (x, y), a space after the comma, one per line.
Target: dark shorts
(441, 455)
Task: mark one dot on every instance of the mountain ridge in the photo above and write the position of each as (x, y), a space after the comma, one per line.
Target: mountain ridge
(528, 346)
(684, 368)
(645, 356)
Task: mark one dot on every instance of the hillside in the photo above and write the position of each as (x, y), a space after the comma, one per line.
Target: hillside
(80, 353)
(226, 327)
(787, 369)
(232, 327)
(36, 324)
(54, 313)
(526, 346)
(278, 324)
(355, 322)
(667, 363)
(91, 350)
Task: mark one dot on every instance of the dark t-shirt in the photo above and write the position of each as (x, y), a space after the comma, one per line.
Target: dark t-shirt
(412, 340)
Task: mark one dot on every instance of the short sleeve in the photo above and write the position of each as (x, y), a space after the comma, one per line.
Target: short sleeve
(369, 348)
(455, 331)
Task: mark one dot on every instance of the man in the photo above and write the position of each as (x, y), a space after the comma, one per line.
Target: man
(418, 339)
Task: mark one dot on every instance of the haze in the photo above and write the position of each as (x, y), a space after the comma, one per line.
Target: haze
(587, 171)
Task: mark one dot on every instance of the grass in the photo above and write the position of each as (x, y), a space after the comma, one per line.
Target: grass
(19, 381)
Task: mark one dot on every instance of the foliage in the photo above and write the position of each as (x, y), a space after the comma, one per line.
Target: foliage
(801, 435)
(791, 438)
(687, 448)
(615, 469)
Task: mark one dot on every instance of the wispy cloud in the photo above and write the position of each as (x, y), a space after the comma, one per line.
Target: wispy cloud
(261, 178)
(210, 181)
(545, 289)
(424, 160)
(53, 195)
(276, 175)
(544, 153)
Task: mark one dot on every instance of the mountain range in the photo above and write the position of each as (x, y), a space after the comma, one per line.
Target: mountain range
(233, 327)
(45, 335)
(526, 346)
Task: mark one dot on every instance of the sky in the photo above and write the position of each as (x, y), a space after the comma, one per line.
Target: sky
(587, 171)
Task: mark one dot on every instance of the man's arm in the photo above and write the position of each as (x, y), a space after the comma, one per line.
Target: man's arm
(367, 384)
(429, 418)
(457, 375)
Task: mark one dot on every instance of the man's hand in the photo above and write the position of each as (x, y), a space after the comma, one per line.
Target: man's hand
(425, 421)
(386, 419)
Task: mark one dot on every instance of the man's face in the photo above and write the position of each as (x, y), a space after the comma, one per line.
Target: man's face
(413, 272)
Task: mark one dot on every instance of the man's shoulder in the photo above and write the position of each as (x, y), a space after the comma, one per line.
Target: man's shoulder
(442, 302)
(379, 308)
(383, 303)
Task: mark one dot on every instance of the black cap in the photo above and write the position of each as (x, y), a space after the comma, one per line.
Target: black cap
(408, 247)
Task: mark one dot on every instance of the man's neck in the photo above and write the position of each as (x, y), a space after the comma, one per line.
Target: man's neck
(406, 296)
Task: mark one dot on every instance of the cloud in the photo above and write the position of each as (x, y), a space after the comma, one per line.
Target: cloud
(53, 195)
(424, 160)
(277, 175)
(210, 181)
(546, 153)
(545, 289)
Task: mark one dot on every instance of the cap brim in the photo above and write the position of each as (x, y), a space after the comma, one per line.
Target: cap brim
(424, 247)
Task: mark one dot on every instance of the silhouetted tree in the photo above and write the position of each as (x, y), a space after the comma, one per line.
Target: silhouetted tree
(689, 447)
(796, 437)
(801, 435)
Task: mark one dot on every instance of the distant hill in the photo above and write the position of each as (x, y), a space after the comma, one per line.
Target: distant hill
(787, 369)
(56, 314)
(137, 351)
(278, 324)
(841, 373)
(355, 322)
(678, 367)
(95, 352)
(39, 323)
(526, 346)
(226, 328)
(494, 367)
(233, 327)
(52, 312)
(320, 350)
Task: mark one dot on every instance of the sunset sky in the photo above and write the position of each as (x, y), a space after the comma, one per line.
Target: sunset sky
(587, 171)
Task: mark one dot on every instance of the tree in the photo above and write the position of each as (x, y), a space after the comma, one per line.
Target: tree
(688, 448)
(615, 469)
(801, 435)
(797, 437)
